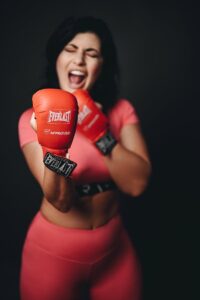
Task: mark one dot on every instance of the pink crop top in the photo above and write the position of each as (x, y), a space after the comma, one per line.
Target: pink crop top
(90, 164)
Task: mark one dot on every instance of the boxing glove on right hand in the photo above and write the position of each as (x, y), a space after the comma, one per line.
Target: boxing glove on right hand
(56, 114)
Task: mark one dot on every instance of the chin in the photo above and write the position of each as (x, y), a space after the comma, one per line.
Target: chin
(67, 89)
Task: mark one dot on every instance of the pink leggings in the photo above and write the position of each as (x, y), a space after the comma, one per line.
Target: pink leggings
(57, 262)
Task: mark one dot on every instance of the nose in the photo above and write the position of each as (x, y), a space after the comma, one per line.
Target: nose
(79, 58)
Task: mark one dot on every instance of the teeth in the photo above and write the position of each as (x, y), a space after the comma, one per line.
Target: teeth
(76, 72)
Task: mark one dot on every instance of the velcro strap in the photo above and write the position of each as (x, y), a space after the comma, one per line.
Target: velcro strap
(59, 165)
(94, 188)
(106, 143)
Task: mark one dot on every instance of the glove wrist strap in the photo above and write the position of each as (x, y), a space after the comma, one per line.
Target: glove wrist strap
(60, 165)
(106, 143)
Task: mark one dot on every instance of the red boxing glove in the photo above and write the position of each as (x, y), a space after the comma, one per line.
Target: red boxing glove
(56, 114)
(93, 123)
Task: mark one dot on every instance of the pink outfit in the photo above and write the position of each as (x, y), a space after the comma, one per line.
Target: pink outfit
(57, 262)
(82, 151)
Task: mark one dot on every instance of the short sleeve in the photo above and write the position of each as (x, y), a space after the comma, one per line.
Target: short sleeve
(25, 132)
(128, 112)
(121, 114)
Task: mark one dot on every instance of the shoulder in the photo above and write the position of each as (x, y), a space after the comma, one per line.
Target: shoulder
(122, 102)
(25, 117)
(124, 108)
(26, 114)
(122, 113)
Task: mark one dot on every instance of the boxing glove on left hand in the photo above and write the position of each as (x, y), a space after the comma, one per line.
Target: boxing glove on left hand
(93, 123)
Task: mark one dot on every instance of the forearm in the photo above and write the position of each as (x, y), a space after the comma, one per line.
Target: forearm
(129, 171)
(58, 190)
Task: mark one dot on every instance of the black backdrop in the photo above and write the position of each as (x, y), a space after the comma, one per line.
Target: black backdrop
(156, 44)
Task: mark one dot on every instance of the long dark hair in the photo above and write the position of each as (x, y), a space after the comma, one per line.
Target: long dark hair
(105, 89)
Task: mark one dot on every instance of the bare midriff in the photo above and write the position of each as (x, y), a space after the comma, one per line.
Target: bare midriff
(90, 212)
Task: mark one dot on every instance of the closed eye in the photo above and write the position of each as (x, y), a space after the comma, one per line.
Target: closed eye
(93, 53)
(70, 49)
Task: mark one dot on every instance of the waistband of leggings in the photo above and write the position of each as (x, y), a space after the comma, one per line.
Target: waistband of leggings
(115, 221)
(81, 245)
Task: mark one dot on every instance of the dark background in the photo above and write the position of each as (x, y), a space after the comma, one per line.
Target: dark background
(156, 45)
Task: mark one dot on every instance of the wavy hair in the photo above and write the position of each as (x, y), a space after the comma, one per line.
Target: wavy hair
(105, 89)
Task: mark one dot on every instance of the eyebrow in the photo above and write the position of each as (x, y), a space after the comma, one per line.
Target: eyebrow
(88, 49)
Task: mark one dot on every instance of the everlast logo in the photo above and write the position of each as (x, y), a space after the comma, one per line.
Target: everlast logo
(55, 116)
(83, 114)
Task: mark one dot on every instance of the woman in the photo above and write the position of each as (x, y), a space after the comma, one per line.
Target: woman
(77, 238)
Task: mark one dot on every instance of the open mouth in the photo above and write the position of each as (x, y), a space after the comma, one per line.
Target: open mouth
(76, 78)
